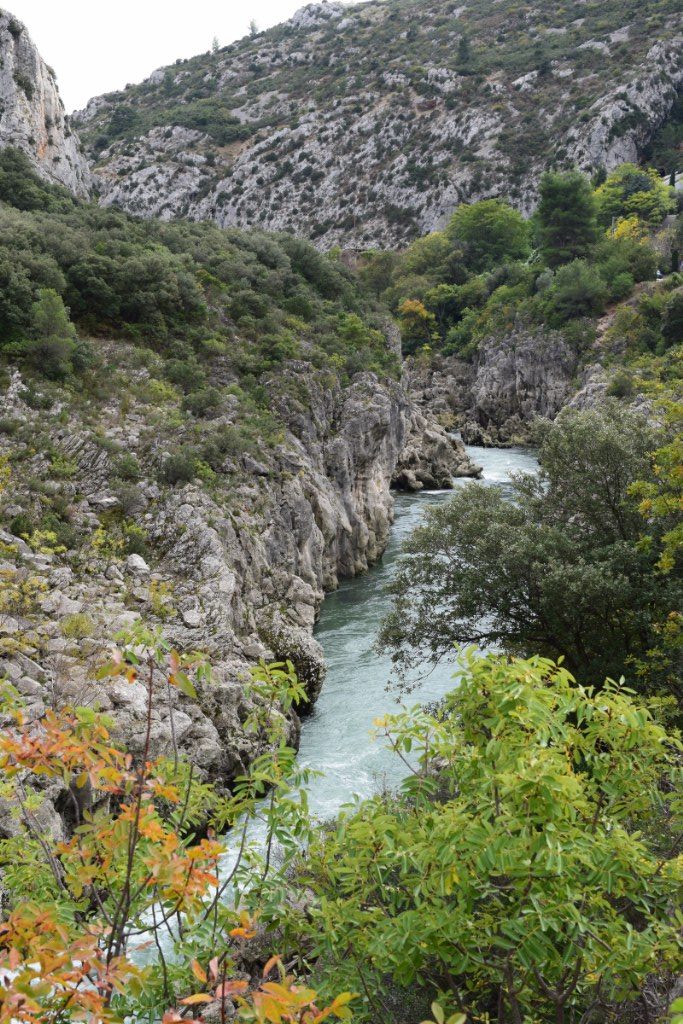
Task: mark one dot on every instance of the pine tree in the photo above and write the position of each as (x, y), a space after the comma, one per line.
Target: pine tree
(567, 224)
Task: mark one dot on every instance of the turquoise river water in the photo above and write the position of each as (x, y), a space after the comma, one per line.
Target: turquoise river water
(336, 737)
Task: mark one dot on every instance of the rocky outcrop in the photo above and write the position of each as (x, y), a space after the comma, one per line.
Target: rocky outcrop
(319, 137)
(521, 376)
(239, 573)
(32, 114)
(428, 456)
(513, 379)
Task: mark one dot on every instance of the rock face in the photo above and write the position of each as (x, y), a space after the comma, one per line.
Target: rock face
(428, 455)
(239, 582)
(32, 114)
(366, 126)
(517, 378)
(513, 380)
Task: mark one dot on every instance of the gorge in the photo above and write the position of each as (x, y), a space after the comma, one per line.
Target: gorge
(279, 326)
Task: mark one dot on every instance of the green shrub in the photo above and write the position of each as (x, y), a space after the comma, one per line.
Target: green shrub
(621, 385)
(577, 291)
(203, 403)
(180, 467)
(127, 466)
(511, 866)
(77, 626)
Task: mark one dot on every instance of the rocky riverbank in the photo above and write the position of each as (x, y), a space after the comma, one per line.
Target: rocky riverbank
(238, 570)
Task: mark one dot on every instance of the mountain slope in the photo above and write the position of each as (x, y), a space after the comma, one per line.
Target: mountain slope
(367, 125)
(32, 114)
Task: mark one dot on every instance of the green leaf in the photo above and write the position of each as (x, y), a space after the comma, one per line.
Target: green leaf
(184, 684)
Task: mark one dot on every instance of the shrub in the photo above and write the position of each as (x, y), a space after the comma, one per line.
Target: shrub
(672, 321)
(185, 373)
(490, 233)
(621, 385)
(127, 466)
(77, 626)
(621, 286)
(577, 291)
(180, 467)
(507, 876)
(634, 191)
(203, 403)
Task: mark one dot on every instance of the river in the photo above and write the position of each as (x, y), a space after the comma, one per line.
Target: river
(336, 736)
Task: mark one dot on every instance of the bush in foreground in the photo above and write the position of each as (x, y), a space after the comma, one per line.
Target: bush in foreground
(517, 876)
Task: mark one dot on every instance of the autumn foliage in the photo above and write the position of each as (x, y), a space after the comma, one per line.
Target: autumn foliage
(133, 874)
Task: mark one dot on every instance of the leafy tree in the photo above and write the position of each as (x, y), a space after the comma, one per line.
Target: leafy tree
(566, 217)
(464, 51)
(51, 317)
(490, 233)
(672, 322)
(512, 876)
(632, 191)
(16, 298)
(417, 325)
(559, 570)
(21, 187)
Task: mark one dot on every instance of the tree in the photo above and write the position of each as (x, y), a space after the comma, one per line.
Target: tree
(577, 290)
(490, 232)
(632, 191)
(672, 320)
(20, 186)
(464, 50)
(512, 875)
(54, 336)
(566, 217)
(418, 325)
(559, 570)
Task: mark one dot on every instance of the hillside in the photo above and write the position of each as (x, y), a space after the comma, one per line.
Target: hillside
(367, 125)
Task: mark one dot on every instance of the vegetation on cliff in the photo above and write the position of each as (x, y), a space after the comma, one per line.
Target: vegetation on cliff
(528, 869)
(195, 294)
(517, 875)
(585, 249)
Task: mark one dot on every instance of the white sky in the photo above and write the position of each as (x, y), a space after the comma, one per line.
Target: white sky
(96, 47)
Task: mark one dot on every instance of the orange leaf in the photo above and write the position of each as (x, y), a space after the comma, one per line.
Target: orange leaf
(271, 963)
(198, 972)
(230, 988)
(198, 997)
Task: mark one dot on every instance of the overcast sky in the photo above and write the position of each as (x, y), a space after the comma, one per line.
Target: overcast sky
(96, 47)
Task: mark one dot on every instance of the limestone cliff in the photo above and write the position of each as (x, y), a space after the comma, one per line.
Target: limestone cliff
(238, 574)
(512, 380)
(32, 114)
